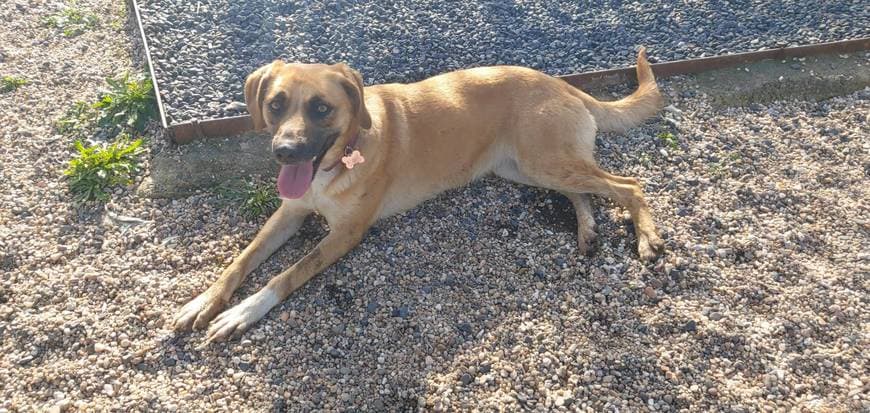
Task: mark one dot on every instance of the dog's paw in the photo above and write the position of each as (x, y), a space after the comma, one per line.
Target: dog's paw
(236, 320)
(586, 242)
(197, 313)
(650, 246)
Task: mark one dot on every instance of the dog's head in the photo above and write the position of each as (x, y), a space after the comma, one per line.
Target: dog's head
(311, 110)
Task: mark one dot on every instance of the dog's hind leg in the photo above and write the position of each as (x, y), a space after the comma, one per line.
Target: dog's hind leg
(582, 204)
(585, 221)
(277, 230)
(576, 175)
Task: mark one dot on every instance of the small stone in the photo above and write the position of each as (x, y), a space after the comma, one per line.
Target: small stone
(649, 292)
(716, 316)
(564, 401)
(236, 107)
(830, 132)
(100, 348)
(466, 379)
(284, 316)
(61, 406)
(690, 327)
(401, 312)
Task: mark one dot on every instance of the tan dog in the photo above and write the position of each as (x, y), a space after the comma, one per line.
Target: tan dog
(415, 141)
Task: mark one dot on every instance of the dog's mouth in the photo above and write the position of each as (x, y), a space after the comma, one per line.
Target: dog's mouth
(295, 179)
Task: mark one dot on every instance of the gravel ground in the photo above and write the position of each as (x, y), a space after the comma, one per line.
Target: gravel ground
(474, 300)
(204, 50)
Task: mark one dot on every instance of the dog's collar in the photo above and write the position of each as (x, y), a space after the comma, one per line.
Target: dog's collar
(348, 150)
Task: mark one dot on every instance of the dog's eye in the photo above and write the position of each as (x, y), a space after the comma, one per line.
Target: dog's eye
(275, 106)
(322, 109)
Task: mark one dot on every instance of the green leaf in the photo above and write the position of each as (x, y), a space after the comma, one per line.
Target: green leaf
(96, 168)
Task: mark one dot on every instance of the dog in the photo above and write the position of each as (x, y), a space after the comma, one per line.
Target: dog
(355, 154)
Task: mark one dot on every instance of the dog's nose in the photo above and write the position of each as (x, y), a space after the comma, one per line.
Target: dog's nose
(285, 153)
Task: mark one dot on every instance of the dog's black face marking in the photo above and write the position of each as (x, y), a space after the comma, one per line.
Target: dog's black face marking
(328, 143)
(319, 110)
(276, 105)
(306, 145)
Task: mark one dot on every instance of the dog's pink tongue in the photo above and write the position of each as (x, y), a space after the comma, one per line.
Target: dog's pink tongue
(294, 180)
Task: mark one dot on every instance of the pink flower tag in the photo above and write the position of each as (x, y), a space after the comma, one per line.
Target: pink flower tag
(353, 159)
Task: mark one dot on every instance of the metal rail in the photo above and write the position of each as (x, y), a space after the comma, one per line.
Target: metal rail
(198, 129)
(684, 67)
(150, 63)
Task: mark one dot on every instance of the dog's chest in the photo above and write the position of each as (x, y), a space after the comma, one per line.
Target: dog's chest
(322, 195)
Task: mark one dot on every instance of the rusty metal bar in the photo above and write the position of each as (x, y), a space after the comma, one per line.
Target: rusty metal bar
(160, 108)
(221, 127)
(683, 67)
(189, 131)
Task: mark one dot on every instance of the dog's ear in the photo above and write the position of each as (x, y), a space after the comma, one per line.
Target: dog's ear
(353, 86)
(255, 91)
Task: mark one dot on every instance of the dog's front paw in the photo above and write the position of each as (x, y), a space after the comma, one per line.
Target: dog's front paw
(650, 246)
(236, 320)
(198, 312)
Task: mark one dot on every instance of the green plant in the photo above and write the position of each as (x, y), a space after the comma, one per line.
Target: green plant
(77, 120)
(72, 21)
(720, 167)
(644, 159)
(10, 83)
(734, 158)
(669, 139)
(716, 169)
(254, 199)
(128, 104)
(97, 168)
(259, 200)
(120, 19)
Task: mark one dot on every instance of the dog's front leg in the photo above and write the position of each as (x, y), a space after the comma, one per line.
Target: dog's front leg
(341, 239)
(278, 229)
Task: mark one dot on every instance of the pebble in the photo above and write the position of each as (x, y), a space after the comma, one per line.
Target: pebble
(235, 107)
(690, 326)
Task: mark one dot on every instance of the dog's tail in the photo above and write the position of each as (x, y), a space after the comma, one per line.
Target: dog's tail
(630, 111)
